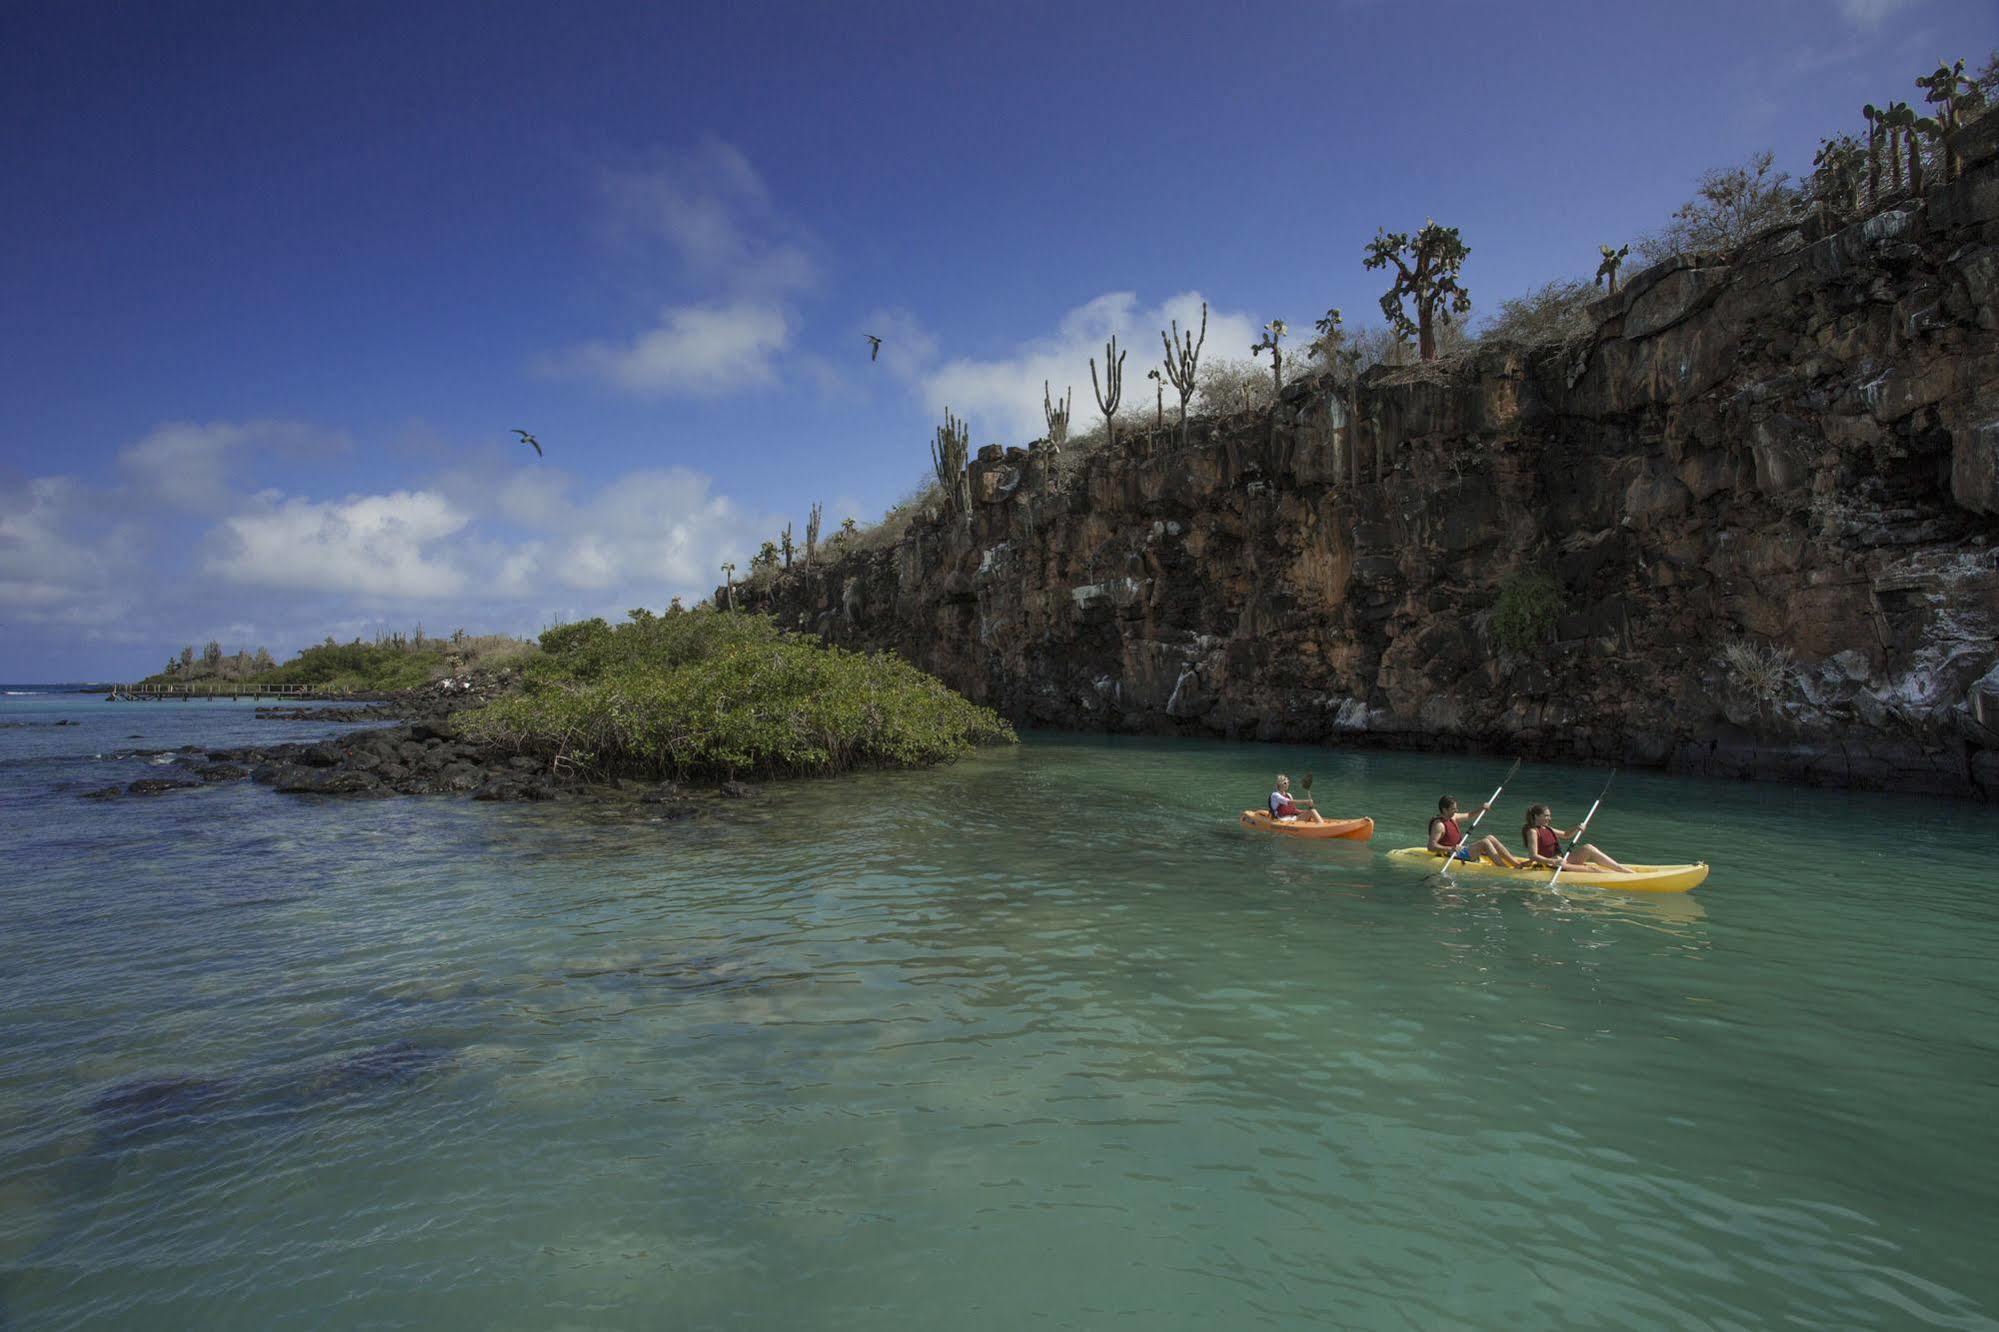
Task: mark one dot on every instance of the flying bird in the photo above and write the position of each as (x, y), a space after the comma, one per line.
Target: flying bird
(526, 438)
(874, 345)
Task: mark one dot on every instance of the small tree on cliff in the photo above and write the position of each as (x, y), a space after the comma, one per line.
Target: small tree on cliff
(729, 584)
(1183, 363)
(1730, 205)
(1111, 389)
(1426, 271)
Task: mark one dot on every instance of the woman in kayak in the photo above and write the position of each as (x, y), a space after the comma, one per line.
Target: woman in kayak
(1287, 810)
(1447, 839)
(1544, 844)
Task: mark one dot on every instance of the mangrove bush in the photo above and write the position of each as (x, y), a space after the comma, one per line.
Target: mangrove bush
(709, 694)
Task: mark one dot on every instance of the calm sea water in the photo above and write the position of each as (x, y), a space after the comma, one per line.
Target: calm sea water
(1040, 1039)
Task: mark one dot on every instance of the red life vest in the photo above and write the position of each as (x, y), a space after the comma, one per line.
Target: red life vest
(1547, 844)
(1451, 834)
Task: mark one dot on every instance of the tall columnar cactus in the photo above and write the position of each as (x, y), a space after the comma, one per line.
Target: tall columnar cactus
(1111, 389)
(947, 454)
(1158, 397)
(1273, 333)
(784, 545)
(1426, 271)
(812, 533)
(1183, 359)
(1606, 271)
(1056, 413)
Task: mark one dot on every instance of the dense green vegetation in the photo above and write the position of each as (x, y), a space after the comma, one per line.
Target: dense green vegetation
(1524, 615)
(706, 693)
(359, 667)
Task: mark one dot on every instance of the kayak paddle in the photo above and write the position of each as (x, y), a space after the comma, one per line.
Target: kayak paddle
(1581, 828)
(1466, 839)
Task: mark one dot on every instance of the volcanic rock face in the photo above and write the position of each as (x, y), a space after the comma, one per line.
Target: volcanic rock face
(1767, 492)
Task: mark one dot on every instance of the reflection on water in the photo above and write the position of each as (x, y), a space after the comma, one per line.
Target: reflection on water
(1041, 1036)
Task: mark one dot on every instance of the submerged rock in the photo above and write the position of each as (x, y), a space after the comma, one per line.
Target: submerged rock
(158, 785)
(395, 1064)
(145, 1105)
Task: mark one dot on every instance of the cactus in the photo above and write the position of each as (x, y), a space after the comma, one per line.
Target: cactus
(812, 533)
(784, 544)
(1836, 178)
(1158, 398)
(1327, 345)
(1112, 387)
(729, 584)
(1273, 333)
(947, 455)
(1056, 416)
(1183, 358)
(1606, 271)
(1426, 268)
(1945, 90)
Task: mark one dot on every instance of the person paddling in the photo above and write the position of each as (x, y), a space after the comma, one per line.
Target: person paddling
(1287, 810)
(1447, 839)
(1544, 844)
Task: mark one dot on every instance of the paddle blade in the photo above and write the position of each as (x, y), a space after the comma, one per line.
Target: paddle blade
(1308, 783)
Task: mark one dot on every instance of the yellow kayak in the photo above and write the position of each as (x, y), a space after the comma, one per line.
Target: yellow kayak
(1351, 830)
(1642, 879)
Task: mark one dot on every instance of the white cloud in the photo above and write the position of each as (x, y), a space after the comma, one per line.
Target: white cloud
(715, 212)
(694, 349)
(60, 557)
(189, 464)
(89, 569)
(382, 547)
(741, 266)
(1870, 14)
(1002, 397)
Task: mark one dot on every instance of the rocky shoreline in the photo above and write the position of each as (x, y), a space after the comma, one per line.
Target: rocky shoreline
(425, 754)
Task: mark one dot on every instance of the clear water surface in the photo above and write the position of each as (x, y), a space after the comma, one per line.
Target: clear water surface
(1041, 1039)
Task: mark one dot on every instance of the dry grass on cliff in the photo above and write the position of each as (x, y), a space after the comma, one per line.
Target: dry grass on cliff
(1762, 671)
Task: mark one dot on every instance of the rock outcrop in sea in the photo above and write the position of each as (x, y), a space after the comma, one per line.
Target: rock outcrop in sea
(1765, 491)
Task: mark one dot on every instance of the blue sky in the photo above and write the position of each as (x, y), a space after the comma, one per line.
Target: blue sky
(279, 279)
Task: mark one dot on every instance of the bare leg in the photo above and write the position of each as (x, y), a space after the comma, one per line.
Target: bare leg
(1495, 850)
(1595, 856)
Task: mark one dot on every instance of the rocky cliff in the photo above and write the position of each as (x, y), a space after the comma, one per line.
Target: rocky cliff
(1765, 490)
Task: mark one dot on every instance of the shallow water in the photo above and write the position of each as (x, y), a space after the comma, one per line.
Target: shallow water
(1041, 1038)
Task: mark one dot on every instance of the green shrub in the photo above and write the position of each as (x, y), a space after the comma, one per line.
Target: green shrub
(709, 694)
(359, 667)
(1524, 615)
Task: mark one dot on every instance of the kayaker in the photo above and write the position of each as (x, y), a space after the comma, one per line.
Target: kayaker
(1286, 810)
(1544, 843)
(1447, 839)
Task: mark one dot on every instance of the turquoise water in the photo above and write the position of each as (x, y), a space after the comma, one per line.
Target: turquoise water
(1041, 1039)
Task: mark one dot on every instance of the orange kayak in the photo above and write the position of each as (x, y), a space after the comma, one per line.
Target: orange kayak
(1354, 830)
